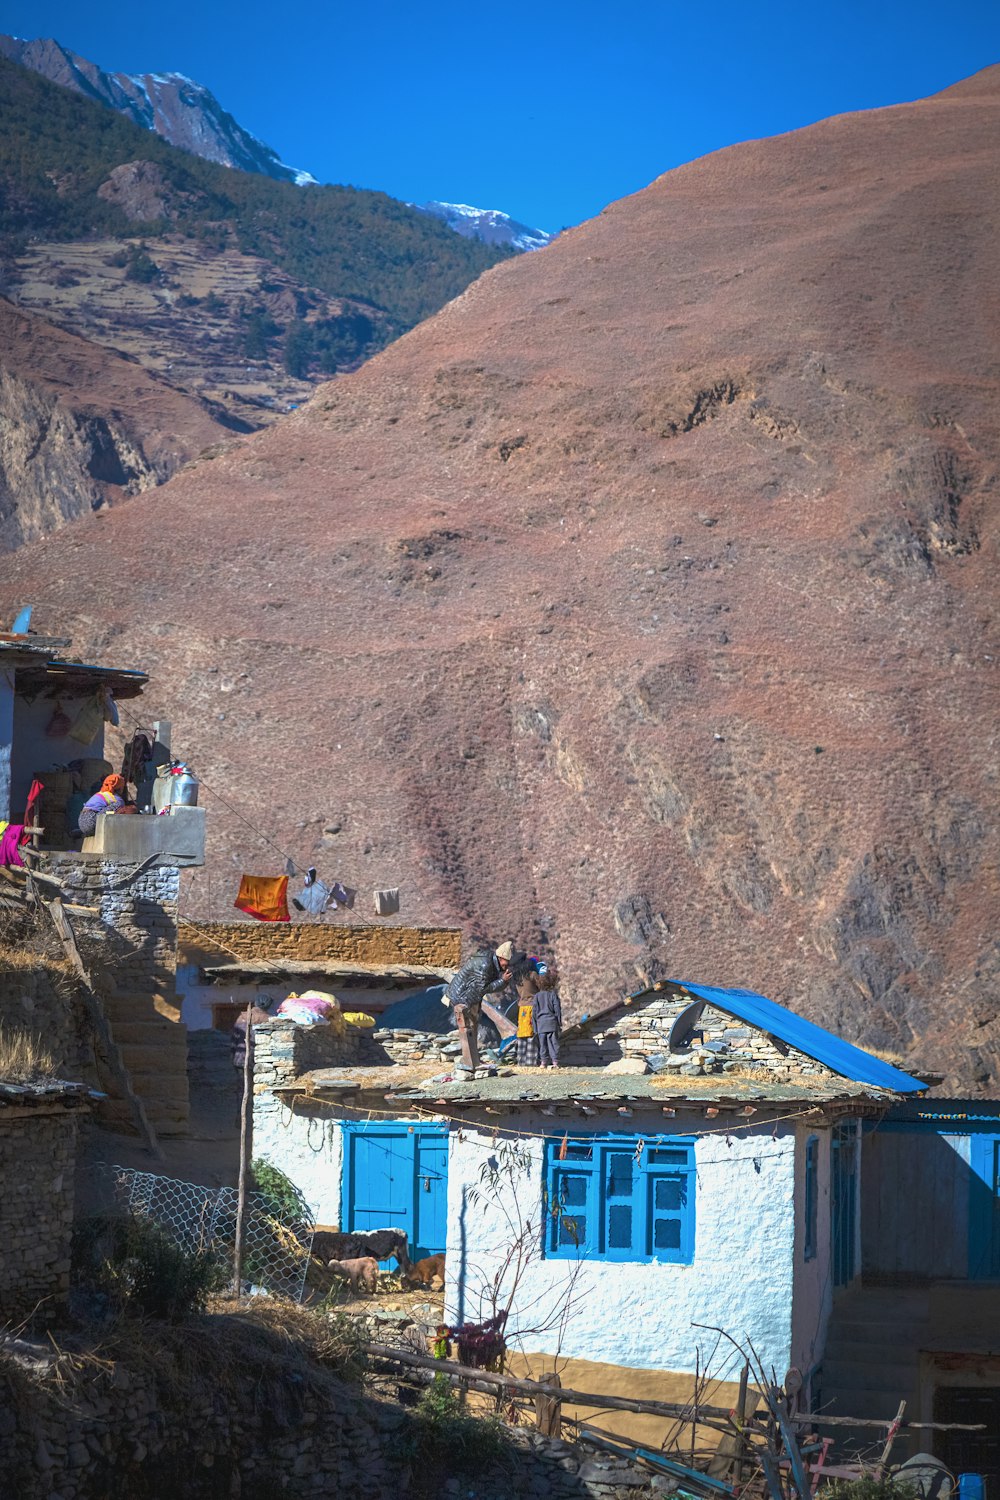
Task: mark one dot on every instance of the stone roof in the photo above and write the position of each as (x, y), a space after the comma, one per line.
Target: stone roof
(44, 1091)
(515, 1089)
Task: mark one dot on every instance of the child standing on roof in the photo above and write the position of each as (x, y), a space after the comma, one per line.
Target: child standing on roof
(547, 1016)
(527, 1042)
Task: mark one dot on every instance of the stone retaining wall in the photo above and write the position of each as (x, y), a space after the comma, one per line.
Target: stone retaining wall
(133, 933)
(123, 1432)
(37, 1161)
(642, 1030)
(439, 947)
(406, 1046)
(40, 996)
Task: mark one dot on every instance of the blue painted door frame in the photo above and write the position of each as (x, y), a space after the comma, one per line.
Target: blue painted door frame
(984, 1207)
(844, 1201)
(395, 1175)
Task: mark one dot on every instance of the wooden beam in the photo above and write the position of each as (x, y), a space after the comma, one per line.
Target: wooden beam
(706, 1416)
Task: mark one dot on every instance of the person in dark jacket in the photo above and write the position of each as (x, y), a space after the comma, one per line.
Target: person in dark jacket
(485, 973)
(547, 1018)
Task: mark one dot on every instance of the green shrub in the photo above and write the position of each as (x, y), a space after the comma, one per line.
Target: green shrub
(282, 1198)
(867, 1488)
(443, 1433)
(142, 1270)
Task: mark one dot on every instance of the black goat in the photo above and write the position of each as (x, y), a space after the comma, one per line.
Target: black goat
(331, 1244)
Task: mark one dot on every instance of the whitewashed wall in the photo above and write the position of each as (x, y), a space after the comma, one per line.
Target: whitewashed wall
(813, 1286)
(197, 999)
(307, 1148)
(635, 1315)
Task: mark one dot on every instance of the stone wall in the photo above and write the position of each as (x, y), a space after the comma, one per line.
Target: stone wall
(118, 1428)
(642, 1030)
(406, 1046)
(439, 947)
(133, 934)
(37, 1161)
(40, 995)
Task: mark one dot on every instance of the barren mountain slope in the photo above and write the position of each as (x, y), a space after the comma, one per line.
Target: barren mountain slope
(642, 598)
(80, 427)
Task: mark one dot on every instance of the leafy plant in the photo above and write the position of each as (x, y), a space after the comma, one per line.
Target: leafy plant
(868, 1487)
(443, 1433)
(142, 1270)
(281, 1197)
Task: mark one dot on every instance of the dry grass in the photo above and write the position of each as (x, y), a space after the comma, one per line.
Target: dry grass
(894, 1059)
(23, 1058)
(684, 1083)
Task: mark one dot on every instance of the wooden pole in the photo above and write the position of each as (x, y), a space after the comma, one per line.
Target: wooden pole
(548, 1409)
(718, 1417)
(890, 1438)
(246, 1129)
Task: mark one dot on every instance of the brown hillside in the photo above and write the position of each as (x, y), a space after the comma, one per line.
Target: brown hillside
(81, 427)
(644, 597)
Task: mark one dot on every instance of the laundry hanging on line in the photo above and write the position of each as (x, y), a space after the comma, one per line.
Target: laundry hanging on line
(264, 897)
(316, 897)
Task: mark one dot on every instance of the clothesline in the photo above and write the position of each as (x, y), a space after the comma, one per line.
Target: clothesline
(292, 867)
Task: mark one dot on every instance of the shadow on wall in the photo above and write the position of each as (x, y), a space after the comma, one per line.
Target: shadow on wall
(929, 1205)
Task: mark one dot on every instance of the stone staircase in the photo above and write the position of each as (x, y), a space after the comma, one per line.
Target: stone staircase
(153, 1045)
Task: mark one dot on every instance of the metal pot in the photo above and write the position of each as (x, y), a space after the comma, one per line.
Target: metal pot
(175, 786)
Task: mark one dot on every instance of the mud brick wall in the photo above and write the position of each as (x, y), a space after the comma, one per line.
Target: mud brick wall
(37, 1160)
(643, 1029)
(440, 947)
(133, 933)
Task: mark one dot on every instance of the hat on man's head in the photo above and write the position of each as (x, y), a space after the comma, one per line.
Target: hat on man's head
(506, 951)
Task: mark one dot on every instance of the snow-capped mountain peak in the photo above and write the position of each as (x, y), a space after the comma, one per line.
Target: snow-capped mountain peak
(185, 113)
(491, 225)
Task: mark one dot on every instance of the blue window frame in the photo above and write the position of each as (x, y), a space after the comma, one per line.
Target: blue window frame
(811, 1197)
(620, 1198)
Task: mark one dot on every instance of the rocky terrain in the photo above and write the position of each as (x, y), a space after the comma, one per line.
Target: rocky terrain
(183, 112)
(192, 322)
(640, 603)
(82, 428)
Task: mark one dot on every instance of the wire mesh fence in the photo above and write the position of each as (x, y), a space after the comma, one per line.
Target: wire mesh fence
(277, 1244)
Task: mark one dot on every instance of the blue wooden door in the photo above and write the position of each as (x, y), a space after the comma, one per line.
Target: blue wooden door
(844, 1202)
(396, 1177)
(431, 1210)
(984, 1208)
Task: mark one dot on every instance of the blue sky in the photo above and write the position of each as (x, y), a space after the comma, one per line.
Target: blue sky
(547, 110)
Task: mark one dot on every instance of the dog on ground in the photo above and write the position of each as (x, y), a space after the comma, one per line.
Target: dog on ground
(426, 1272)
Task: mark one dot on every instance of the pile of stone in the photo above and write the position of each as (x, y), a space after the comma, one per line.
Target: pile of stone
(406, 1046)
(724, 1045)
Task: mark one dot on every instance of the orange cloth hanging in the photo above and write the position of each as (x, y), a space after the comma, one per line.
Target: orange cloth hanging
(264, 897)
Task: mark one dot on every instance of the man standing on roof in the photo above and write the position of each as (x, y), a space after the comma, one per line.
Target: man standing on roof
(486, 973)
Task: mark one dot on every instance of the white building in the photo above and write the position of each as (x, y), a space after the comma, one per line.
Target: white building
(618, 1215)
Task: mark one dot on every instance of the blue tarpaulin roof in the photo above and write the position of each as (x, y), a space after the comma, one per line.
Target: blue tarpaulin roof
(840, 1056)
